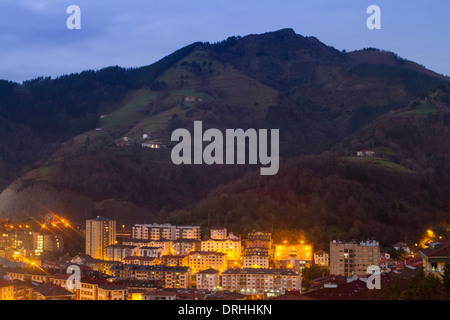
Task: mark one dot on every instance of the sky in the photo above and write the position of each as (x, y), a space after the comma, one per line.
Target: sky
(35, 40)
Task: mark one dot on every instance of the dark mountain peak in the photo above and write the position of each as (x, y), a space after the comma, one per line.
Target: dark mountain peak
(286, 32)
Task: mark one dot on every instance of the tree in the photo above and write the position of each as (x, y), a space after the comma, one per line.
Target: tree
(311, 273)
(446, 278)
(424, 287)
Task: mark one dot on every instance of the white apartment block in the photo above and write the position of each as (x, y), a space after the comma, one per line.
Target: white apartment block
(207, 280)
(188, 232)
(117, 252)
(184, 246)
(158, 232)
(165, 245)
(154, 231)
(151, 252)
(218, 233)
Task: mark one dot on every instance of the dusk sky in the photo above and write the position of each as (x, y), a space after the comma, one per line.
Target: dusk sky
(34, 39)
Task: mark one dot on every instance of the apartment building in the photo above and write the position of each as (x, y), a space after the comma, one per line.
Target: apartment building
(258, 239)
(232, 248)
(111, 291)
(353, 258)
(165, 245)
(47, 242)
(165, 231)
(100, 233)
(218, 233)
(207, 279)
(321, 258)
(99, 289)
(188, 232)
(171, 277)
(29, 275)
(154, 231)
(252, 281)
(50, 291)
(284, 251)
(141, 261)
(202, 260)
(7, 290)
(435, 256)
(184, 246)
(117, 252)
(152, 252)
(256, 261)
(175, 260)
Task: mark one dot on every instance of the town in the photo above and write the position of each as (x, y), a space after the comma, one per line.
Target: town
(168, 262)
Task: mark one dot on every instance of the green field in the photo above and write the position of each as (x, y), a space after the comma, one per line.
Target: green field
(131, 112)
(385, 163)
(424, 108)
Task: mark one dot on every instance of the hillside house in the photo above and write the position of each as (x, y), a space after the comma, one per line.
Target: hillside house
(366, 153)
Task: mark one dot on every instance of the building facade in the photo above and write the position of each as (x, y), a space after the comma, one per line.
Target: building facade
(207, 279)
(100, 233)
(353, 258)
(321, 258)
(251, 281)
(202, 260)
(436, 256)
(232, 248)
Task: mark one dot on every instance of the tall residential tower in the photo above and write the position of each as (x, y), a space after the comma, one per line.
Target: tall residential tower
(100, 233)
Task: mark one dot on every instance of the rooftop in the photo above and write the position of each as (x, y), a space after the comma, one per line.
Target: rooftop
(441, 250)
(52, 290)
(139, 258)
(206, 253)
(285, 272)
(209, 271)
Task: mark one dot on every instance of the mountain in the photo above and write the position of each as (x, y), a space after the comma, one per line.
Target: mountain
(73, 144)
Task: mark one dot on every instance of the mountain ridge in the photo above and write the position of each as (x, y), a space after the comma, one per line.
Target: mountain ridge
(319, 96)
